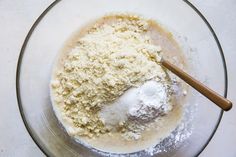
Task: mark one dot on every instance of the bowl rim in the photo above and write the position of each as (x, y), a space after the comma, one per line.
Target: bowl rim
(35, 24)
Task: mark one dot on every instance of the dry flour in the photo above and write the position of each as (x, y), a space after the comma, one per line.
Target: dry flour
(110, 59)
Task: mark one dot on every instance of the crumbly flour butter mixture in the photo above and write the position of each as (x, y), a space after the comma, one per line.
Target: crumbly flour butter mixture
(109, 86)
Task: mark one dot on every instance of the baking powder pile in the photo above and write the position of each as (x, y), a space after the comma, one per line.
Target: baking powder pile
(110, 81)
(137, 108)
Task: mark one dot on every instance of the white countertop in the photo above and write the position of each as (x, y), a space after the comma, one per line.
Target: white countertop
(16, 18)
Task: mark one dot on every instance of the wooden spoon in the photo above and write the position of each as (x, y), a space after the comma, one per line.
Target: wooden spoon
(219, 100)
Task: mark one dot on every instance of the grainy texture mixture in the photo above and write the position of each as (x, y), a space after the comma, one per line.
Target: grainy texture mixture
(108, 60)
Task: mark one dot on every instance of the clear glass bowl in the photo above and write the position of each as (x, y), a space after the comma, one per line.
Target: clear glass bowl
(62, 18)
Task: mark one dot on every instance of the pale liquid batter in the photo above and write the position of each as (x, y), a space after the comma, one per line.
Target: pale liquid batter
(159, 130)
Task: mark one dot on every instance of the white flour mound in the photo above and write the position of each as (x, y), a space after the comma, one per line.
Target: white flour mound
(138, 105)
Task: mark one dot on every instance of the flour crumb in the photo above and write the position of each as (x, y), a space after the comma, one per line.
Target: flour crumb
(108, 60)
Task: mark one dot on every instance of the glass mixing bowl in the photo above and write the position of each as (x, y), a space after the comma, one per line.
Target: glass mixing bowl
(62, 18)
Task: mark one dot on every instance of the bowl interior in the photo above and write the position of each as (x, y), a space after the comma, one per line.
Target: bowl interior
(66, 17)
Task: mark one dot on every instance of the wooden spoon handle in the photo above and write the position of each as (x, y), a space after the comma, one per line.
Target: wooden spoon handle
(219, 100)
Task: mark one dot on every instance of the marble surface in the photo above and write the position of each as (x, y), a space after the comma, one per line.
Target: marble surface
(16, 18)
